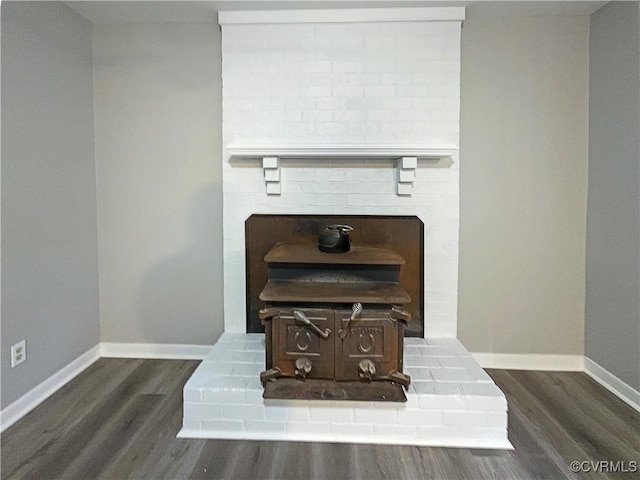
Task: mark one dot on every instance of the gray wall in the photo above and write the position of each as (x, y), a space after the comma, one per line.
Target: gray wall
(613, 213)
(523, 179)
(49, 246)
(158, 147)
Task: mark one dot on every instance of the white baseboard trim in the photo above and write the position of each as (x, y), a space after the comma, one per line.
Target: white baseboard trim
(154, 350)
(573, 363)
(34, 397)
(608, 380)
(534, 361)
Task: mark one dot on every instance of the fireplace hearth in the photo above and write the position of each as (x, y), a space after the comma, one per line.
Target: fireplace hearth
(321, 342)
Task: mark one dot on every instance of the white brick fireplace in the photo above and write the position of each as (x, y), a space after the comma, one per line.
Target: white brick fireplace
(354, 86)
(345, 112)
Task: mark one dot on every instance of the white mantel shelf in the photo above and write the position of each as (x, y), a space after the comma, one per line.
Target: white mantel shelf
(337, 152)
(340, 15)
(406, 155)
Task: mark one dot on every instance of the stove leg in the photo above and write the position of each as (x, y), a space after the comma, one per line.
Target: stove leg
(269, 375)
(400, 378)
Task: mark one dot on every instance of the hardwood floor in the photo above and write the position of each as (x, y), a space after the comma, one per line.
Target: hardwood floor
(119, 419)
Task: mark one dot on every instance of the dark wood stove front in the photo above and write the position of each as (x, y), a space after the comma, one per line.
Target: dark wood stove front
(295, 342)
(318, 330)
(339, 350)
(374, 340)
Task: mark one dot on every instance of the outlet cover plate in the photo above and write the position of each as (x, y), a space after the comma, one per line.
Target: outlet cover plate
(18, 353)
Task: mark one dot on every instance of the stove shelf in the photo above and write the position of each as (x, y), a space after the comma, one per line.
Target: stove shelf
(358, 255)
(329, 292)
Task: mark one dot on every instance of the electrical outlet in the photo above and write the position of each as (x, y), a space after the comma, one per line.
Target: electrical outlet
(18, 353)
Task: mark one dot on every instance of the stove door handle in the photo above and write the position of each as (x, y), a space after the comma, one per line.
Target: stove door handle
(302, 318)
(356, 310)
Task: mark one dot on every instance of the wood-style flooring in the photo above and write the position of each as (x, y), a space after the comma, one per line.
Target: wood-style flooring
(119, 419)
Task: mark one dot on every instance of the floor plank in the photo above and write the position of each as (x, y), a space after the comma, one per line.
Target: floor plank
(119, 420)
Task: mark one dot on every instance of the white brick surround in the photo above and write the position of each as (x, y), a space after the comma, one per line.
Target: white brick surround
(344, 82)
(451, 402)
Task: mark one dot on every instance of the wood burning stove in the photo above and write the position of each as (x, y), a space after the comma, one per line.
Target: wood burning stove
(334, 323)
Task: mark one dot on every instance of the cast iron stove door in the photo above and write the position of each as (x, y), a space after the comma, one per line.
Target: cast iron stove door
(370, 346)
(298, 346)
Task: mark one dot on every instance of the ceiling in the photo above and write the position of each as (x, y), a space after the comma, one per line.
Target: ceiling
(100, 12)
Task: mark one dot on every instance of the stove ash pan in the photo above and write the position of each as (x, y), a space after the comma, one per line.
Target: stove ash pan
(321, 343)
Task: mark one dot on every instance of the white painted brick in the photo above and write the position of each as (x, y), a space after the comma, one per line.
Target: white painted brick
(243, 412)
(202, 411)
(268, 104)
(439, 433)
(316, 67)
(211, 395)
(368, 103)
(375, 416)
(298, 104)
(307, 427)
(351, 429)
(222, 425)
(299, 128)
(465, 419)
(191, 424)
(254, 397)
(380, 91)
(267, 72)
(400, 431)
(226, 383)
(394, 104)
(436, 351)
(244, 357)
(315, 91)
(483, 389)
(491, 404)
(419, 373)
(364, 79)
(487, 436)
(329, 414)
(348, 91)
(347, 67)
(247, 370)
(325, 128)
(420, 361)
(191, 395)
(264, 426)
(441, 402)
(497, 420)
(317, 115)
(333, 104)
(287, 413)
(451, 375)
(420, 417)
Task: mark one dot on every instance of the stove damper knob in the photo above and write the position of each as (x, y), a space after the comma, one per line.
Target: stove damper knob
(303, 367)
(366, 369)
